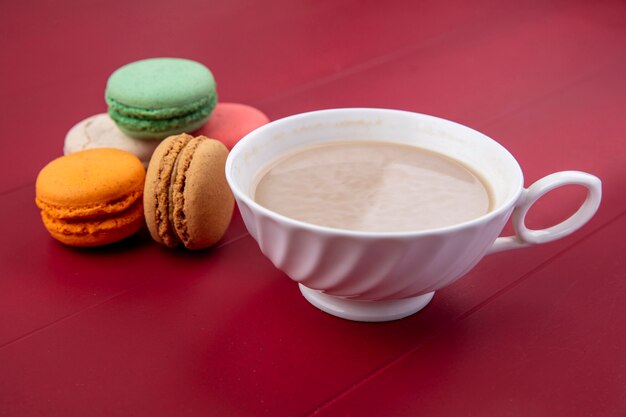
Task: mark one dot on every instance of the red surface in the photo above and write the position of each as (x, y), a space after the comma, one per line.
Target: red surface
(137, 329)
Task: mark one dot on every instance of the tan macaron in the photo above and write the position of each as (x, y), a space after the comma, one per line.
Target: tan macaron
(186, 197)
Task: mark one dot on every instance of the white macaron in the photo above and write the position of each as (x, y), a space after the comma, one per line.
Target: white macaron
(100, 131)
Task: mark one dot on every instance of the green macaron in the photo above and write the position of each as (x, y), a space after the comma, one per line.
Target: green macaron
(158, 97)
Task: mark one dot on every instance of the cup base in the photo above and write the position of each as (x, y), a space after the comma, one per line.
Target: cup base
(368, 311)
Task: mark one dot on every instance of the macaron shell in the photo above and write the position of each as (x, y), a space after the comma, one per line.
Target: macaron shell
(207, 201)
(89, 182)
(160, 83)
(96, 232)
(100, 131)
(230, 122)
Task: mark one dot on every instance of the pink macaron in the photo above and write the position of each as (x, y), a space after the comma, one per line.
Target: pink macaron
(230, 122)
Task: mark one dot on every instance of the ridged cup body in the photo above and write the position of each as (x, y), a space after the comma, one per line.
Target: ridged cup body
(373, 265)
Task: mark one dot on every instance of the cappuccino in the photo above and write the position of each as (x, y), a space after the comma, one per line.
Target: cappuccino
(372, 187)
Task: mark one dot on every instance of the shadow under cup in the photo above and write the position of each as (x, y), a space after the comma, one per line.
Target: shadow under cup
(372, 276)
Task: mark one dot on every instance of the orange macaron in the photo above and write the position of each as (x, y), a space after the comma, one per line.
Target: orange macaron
(92, 197)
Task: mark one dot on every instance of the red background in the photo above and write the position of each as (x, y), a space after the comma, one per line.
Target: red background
(138, 329)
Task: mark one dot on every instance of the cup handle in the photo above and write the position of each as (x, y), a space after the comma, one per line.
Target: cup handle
(525, 236)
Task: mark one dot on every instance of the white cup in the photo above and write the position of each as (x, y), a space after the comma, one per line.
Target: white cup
(379, 276)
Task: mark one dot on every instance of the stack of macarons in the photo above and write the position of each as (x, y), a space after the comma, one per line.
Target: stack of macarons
(154, 98)
(99, 193)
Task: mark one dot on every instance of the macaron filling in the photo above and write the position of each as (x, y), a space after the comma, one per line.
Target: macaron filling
(170, 213)
(89, 211)
(94, 225)
(167, 170)
(204, 104)
(177, 189)
(135, 120)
